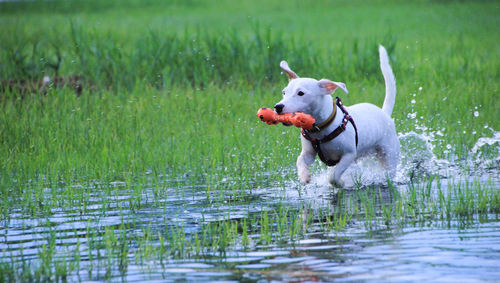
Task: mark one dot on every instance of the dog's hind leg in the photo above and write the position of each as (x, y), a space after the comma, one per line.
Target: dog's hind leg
(388, 156)
(336, 172)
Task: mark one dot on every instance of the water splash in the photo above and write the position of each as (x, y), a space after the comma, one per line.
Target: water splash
(418, 160)
(486, 153)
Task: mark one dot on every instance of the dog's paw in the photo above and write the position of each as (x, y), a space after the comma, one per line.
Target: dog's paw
(334, 181)
(305, 180)
(305, 177)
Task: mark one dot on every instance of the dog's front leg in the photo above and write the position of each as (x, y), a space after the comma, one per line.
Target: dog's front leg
(336, 172)
(303, 162)
(305, 159)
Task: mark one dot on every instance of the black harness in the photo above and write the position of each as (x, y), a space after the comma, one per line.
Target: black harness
(317, 142)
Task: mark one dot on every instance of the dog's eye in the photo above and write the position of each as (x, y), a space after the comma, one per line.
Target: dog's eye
(283, 92)
(300, 93)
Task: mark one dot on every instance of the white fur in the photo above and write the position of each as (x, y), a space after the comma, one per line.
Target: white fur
(390, 81)
(376, 130)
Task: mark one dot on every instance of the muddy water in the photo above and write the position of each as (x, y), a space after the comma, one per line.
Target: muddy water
(433, 250)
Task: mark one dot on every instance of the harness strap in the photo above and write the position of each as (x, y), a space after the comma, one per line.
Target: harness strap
(335, 133)
(347, 118)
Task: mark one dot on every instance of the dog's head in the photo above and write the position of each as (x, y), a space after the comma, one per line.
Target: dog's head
(304, 94)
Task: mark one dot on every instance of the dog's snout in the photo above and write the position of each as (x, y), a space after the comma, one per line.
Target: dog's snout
(279, 108)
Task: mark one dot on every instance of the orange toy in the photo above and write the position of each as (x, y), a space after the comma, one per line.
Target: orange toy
(301, 120)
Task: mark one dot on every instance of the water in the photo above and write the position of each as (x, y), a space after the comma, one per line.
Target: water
(407, 254)
(426, 247)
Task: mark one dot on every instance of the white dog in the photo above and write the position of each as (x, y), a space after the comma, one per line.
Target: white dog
(342, 134)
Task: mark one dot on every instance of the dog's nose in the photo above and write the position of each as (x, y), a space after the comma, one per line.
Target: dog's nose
(279, 108)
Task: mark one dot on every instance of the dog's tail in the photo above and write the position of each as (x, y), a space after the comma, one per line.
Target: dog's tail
(390, 81)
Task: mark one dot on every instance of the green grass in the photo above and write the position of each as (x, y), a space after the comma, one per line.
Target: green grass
(169, 95)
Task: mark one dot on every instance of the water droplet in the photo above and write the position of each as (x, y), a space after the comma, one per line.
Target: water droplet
(476, 114)
(413, 101)
(420, 89)
(448, 146)
(412, 115)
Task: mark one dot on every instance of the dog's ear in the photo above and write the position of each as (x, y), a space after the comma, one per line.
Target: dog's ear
(330, 87)
(291, 74)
